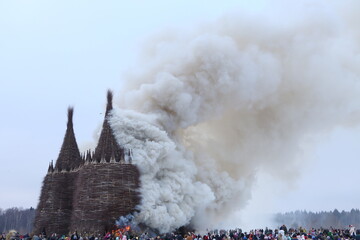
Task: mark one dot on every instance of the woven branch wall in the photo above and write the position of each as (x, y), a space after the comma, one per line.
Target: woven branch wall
(104, 192)
(88, 200)
(55, 206)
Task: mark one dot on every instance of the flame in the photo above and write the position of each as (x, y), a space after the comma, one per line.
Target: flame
(120, 231)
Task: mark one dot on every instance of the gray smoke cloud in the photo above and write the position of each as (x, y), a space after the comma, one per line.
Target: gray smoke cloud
(207, 109)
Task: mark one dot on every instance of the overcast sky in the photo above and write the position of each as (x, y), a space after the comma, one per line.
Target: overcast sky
(59, 53)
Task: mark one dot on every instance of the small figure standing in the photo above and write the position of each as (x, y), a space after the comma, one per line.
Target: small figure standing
(75, 236)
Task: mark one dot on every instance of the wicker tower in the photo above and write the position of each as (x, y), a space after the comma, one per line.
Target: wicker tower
(56, 200)
(107, 185)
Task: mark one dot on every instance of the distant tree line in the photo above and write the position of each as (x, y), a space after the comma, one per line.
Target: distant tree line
(334, 219)
(17, 218)
(22, 219)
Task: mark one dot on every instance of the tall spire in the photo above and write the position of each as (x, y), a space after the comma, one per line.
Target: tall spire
(109, 106)
(107, 146)
(69, 156)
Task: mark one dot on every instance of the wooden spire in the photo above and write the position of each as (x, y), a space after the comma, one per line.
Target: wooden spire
(69, 156)
(109, 106)
(107, 146)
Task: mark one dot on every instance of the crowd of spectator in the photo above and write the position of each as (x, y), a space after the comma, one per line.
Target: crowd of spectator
(281, 233)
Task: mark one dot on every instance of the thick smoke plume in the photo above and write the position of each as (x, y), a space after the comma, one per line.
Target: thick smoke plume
(207, 109)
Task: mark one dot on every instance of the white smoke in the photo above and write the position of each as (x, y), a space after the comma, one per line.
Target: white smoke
(207, 110)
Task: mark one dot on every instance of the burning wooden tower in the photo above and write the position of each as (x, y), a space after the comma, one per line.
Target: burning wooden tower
(87, 194)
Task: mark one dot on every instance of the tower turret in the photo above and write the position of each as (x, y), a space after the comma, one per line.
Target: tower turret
(51, 167)
(69, 156)
(107, 186)
(56, 200)
(107, 145)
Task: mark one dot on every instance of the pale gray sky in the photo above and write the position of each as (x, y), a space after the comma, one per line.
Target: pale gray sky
(55, 54)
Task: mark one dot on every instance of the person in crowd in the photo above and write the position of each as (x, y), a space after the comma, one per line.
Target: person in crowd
(75, 236)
